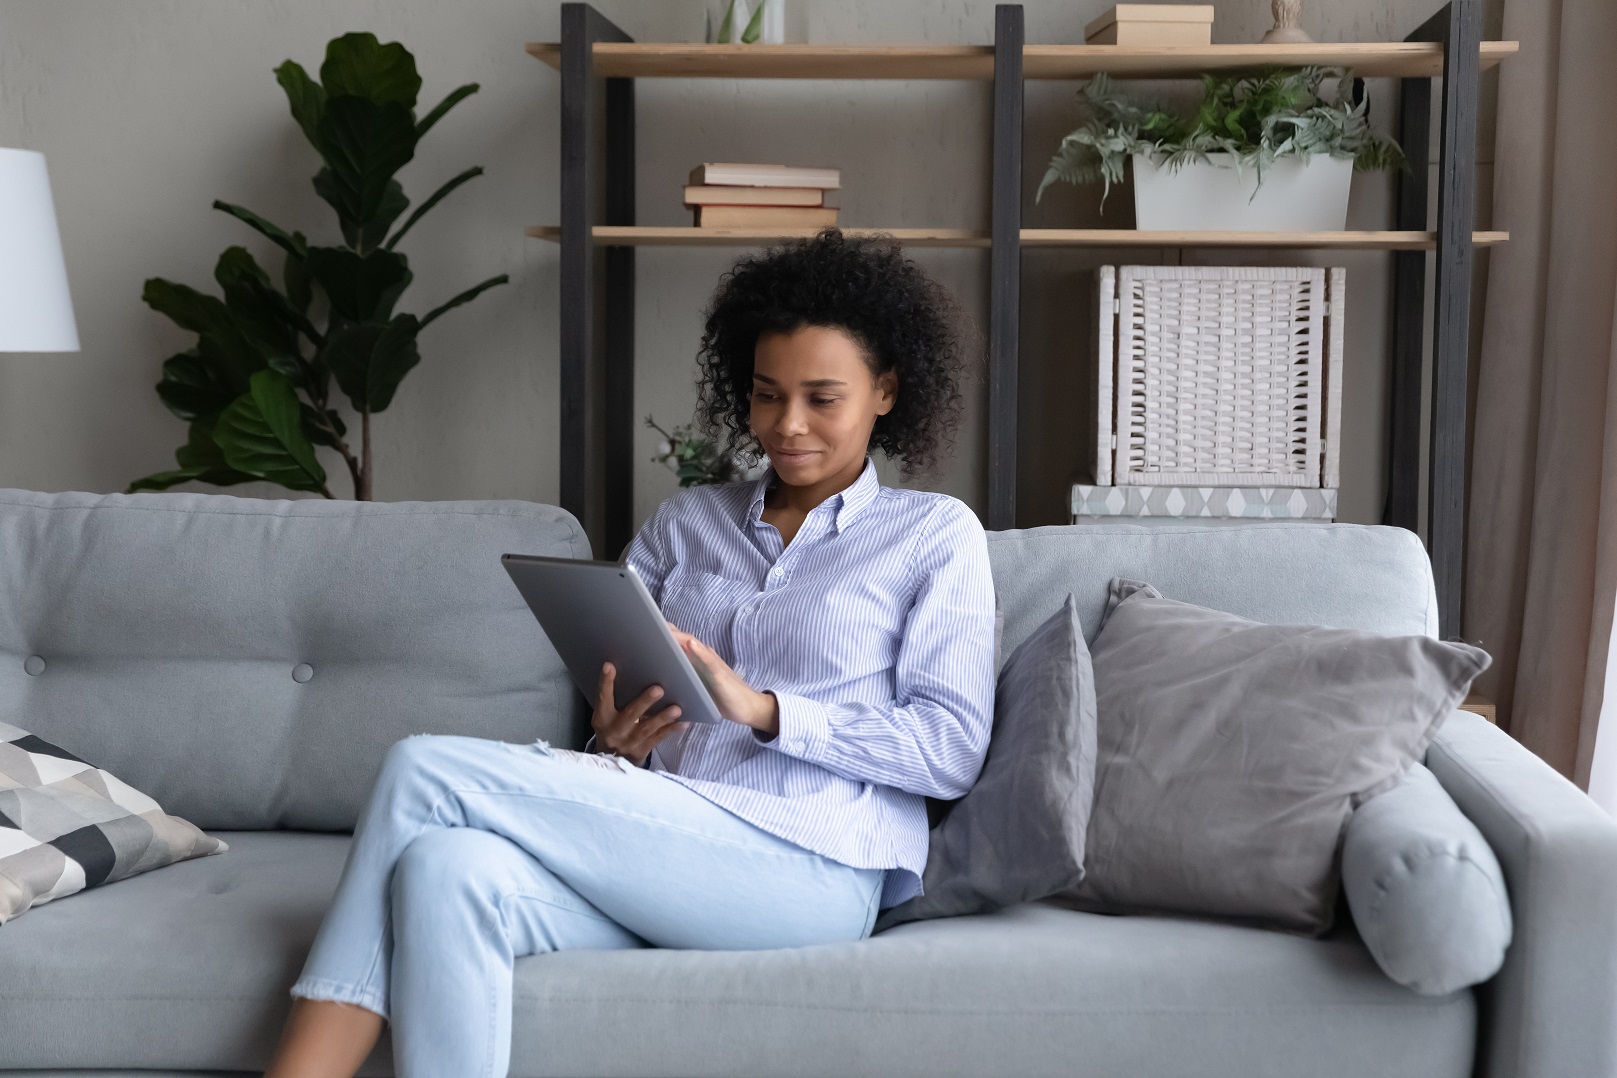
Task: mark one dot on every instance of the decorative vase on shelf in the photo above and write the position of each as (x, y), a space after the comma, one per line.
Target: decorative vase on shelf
(1287, 29)
(736, 22)
(1297, 194)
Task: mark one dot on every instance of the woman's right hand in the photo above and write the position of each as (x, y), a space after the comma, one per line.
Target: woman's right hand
(630, 731)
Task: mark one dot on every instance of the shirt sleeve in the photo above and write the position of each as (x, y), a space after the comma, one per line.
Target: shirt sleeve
(649, 552)
(932, 737)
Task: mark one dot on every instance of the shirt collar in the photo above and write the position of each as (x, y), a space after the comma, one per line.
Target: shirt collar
(848, 503)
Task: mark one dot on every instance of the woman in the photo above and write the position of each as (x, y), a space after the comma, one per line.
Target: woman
(845, 630)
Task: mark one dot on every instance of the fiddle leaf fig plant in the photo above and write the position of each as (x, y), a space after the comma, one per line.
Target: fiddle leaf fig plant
(275, 359)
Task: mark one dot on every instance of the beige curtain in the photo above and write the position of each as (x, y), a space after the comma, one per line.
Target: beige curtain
(1541, 568)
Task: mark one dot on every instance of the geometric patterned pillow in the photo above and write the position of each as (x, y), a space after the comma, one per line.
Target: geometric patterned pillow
(66, 825)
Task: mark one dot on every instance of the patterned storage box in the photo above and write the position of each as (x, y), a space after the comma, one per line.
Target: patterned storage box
(1219, 376)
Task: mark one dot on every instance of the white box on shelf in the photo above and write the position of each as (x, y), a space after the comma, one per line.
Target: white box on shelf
(1298, 194)
(1219, 376)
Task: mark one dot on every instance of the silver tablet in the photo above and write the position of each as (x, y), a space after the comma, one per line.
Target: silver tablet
(599, 611)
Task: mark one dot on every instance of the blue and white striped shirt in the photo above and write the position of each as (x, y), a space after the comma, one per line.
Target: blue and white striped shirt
(874, 629)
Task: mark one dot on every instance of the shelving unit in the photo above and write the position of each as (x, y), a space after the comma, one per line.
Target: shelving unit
(599, 62)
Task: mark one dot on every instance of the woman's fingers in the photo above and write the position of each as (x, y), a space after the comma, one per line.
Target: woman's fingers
(636, 709)
(653, 731)
(604, 703)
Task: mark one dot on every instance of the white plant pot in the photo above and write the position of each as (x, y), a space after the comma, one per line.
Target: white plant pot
(1298, 194)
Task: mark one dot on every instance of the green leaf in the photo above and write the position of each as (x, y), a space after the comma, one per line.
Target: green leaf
(186, 307)
(755, 25)
(361, 288)
(222, 342)
(465, 297)
(455, 97)
(322, 434)
(357, 64)
(295, 277)
(200, 461)
(361, 234)
(370, 360)
(727, 26)
(261, 314)
(432, 200)
(261, 435)
(364, 144)
(307, 98)
(193, 388)
(292, 243)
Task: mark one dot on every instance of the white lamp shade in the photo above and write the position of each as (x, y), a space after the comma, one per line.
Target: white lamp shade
(36, 312)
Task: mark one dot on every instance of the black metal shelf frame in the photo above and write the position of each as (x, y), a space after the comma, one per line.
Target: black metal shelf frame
(597, 297)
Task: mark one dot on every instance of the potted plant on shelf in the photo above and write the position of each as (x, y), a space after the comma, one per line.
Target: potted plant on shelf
(1263, 152)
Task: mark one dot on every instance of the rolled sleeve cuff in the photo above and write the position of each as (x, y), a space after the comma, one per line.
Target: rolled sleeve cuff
(805, 729)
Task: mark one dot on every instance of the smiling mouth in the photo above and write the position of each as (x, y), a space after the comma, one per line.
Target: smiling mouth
(795, 452)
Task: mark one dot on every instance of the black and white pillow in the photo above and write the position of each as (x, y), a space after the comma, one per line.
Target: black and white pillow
(66, 825)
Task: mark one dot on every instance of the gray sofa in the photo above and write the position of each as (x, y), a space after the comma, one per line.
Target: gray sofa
(171, 628)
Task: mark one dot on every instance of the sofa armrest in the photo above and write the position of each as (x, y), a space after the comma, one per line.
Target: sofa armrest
(1549, 1011)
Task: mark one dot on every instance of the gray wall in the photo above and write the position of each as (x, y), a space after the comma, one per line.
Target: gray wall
(147, 110)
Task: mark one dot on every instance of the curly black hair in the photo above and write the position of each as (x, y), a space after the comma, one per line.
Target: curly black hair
(903, 320)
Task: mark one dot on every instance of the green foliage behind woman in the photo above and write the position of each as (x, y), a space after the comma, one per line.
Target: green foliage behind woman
(257, 387)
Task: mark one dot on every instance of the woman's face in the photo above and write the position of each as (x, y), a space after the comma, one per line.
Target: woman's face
(814, 402)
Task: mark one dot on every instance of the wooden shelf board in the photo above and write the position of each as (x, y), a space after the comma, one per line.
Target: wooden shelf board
(1129, 237)
(650, 236)
(1369, 59)
(1395, 59)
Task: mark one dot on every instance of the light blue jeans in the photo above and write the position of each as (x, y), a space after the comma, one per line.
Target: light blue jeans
(472, 853)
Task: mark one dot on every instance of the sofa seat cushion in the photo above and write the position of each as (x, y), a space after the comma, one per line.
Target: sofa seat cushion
(188, 968)
(1030, 990)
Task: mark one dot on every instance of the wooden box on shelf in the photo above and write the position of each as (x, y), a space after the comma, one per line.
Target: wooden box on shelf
(1152, 24)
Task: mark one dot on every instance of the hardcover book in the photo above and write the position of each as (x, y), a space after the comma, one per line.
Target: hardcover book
(708, 195)
(722, 174)
(765, 216)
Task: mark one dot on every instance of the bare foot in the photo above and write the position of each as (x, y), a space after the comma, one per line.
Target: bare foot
(325, 1040)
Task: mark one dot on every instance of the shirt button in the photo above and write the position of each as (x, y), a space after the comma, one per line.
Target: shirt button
(779, 572)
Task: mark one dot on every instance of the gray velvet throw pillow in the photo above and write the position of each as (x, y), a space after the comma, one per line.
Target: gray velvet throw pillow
(1232, 753)
(1019, 834)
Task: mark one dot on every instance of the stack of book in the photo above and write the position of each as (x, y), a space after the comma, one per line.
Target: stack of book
(761, 196)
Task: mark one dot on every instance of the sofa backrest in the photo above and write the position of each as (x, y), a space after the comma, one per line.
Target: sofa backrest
(247, 663)
(1344, 576)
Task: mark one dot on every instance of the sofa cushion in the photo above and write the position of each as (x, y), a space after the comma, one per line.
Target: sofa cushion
(247, 663)
(99, 982)
(1343, 576)
(66, 825)
(1030, 990)
(1232, 754)
(1018, 835)
(1427, 893)
(187, 968)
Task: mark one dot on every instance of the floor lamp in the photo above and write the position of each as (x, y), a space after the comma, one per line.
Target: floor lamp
(36, 313)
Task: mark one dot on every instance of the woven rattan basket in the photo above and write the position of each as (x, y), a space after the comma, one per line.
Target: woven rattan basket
(1220, 376)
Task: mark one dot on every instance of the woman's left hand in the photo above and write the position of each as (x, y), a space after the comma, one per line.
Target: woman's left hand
(736, 700)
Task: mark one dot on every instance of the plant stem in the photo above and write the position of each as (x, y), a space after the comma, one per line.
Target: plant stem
(336, 442)
(362, 486)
